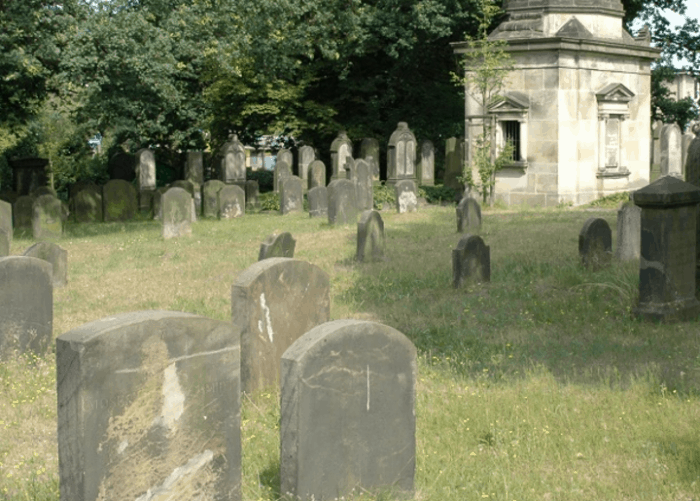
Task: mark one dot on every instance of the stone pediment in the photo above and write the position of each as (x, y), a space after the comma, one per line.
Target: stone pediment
(574, 29)
(615, 92)
(511, 102)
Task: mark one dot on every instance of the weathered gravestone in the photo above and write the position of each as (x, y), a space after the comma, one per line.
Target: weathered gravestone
(401, 155)
(341, 152)
(252, 190)
(686, 141)
(692, 163)
(149, 408)
(317, 174)
(277, 245)
(369, 151)
(306, 156)
(48, 217)
(370, 237)
(231, 202)
(145, 167)
(655, 169)
(26, 304)
(595, 244)
(283, 167)
(347, 416)
(273, 303)
(194, 167)
(454, 163)
(406, 199)
(233, 161)
(668, 250)
(157, 202)
(210, 198)
(671, 151)
(190, 188)
(468, 216)
(22, 213)
(291, 195)
(87, 205)
(118, 201)
(4, 243)
(342, 202)
(629, 218)
(54, 254)
(426, 167)
(318, 201)
(6, 218)
(176, 209)
(364, 185)
(471, 261)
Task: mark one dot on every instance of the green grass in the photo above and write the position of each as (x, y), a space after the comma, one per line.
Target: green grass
(539, 385)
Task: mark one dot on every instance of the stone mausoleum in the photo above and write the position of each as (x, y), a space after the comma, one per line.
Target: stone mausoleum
(576, 107)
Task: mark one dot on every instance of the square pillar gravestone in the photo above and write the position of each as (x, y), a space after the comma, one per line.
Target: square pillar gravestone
(671, 151)
(364, 185)
(668, 258)
(401, 155)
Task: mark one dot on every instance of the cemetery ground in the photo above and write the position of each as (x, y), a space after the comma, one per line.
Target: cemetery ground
(539, 385)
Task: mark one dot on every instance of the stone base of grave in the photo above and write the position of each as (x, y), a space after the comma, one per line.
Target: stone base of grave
(678, 311)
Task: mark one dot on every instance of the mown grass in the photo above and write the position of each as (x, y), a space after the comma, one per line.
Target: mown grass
(539, 385)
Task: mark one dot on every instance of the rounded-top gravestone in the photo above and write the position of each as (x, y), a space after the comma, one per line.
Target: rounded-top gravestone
(471, 261)
(54, 254)
(48, 217)
(595, 244)
(468, 216)
(277, 245)
(370, 237)
(177, 214)
(119, 201)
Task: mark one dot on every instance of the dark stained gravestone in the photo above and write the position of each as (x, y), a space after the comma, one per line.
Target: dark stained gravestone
(364, 185)
(6, 218)
(342, 202)
(468, 216)
(454, 163)
(22, 213)
(48, 218)
(406, 196)
(54, 254)
(595, 244)
(149, 408)
(273, 303)
(317, 174)
(210, 198)
(471, 261)
(4, 243)
(121, 166)
(26, 304)
(231, 202)
(87, 205)
(318, 201)
(629, 220)
(176, 210)
(118, 201)
(370, 237)
(252, 191)
(277, 245)
(668, 250)
(347, 417)
(291, 195)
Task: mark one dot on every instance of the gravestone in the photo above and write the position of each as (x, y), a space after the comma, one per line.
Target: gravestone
(28, 173)
(157, 203)
(231, 202)
(342, 202)
(149, 408)
(145, 168)
(471, 261)
(629, 220)
(468, 216)
(176, 210)
(341, 151)
(22, 213)
(668, 259)
(233, 161)
(285, 157)
(252, 191)
(454, 163)
(426, 167)
(370, 237)
(194, 167)
(350, 172)
(364, 185)
(56, 256)
(655, 170)
(369, 151)
(595, 244)
(48, 218)
(4, 243)
(401, 155)
(318, 201)
(121, 166)
(118, 201)
(306, 156)
(671, 151)
(190, 188)
(291, 195)
(87, 205)
(406, 199)
(317, 174)
(6, 218)
(210, 198)
(273, 303)
(692, 163)
(685, 143)
(347, 411)
(26, 304)
(277, 245)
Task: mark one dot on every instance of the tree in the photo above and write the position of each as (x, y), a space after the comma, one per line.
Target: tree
(663, 106)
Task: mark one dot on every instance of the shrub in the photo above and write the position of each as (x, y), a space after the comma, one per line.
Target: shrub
(265, 179)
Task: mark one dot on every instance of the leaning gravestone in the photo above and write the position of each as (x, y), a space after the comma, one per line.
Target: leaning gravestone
(273, 303)
(468, 216)
(4, 243)
(54, 254)
(406, 199)
(231, 202)
(318, 201)
(210, 198)
(370, 237)
(118, 201)
(291, 195)
(364, 185)
(595, 244)
(176, 210)
(671, 151)
(6, 218)
(317, 174)
(277, 245)
(149, 408)
(87, 205)
(347, 416)
(426, 167)
(48, 218)
(342, 202)
(26, 304)
(22, 213)
(629, 218)
(471, 261)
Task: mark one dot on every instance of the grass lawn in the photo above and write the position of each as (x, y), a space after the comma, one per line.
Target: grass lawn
(539, 385)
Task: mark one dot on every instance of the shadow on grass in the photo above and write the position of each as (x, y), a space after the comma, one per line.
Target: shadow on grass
(270, 478)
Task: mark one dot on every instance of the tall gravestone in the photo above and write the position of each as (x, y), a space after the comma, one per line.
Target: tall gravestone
(370, 237)
(54, 254)
(317, 174)
(277, 245)
(291, 195)
(26, 304)
(692, 163)
(190, 188)
(629, 220)
(273, 303)
(87, 205)
(686, 140)
(671, 151)
(6, 218)
(252, 191)
(210, 198)
(406, 198)
(426, 167)
(149, 408)
(454, 163)
(22, 213)
(318, 201)
(284, 156)
(468, 216)
(176, 210)
(194, 172)
(233, 161)
(342, 202)
(48, 218)
(341, 152)
(157, 202)
(347, 411)
(364, 185)
(118, 201)
(145, 167)
(595, 244)
(369, 151)
(471, 261)
(401, 155)
(655, 170)
(668, 259)
(306, 156)
(231, 202)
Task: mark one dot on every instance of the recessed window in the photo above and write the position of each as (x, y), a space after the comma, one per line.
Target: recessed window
(511, 133)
